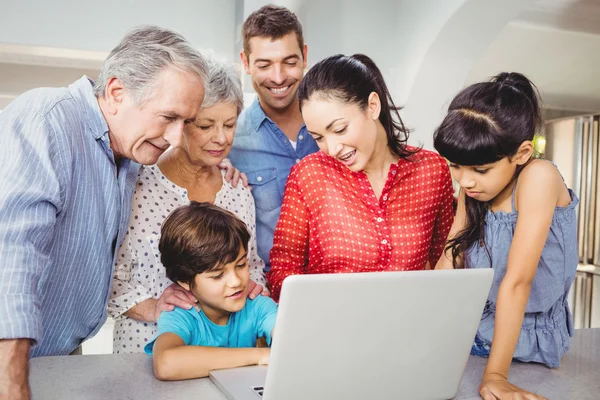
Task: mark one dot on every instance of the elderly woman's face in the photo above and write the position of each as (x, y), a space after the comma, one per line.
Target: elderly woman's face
(208, 140)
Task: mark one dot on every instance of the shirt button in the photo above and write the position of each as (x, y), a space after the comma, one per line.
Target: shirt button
(300, 137)
(379, 219)
(259, 178)
(385, 197)
(393, 172)
(384, 241)
(297, 160)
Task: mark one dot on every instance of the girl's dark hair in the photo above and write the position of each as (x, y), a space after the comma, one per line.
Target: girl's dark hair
(200, 237)
(352, 79)
(486, 122)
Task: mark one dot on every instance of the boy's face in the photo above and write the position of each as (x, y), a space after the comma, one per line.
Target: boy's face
(222, 291)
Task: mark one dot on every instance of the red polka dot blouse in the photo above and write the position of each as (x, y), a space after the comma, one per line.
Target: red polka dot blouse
(331, 221)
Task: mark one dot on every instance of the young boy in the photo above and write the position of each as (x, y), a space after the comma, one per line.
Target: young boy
(204, 249)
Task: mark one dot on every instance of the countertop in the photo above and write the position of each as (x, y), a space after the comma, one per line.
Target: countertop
(130, 376)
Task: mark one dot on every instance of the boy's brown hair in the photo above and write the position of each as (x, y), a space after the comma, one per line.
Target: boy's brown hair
(273, 22)
(200, 237)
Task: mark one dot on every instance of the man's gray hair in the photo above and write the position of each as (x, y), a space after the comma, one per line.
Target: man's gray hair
(223, 83)
(145, 52)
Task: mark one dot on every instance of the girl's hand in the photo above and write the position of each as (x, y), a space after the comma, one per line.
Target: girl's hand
(497, 387)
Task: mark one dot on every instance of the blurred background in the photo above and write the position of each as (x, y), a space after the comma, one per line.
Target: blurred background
(427, 50)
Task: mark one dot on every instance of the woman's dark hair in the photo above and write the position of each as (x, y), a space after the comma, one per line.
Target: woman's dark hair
(486, 122)
(200, 237)
(352, 79)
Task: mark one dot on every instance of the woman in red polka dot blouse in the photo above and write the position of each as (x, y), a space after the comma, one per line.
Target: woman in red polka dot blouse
(367, 201)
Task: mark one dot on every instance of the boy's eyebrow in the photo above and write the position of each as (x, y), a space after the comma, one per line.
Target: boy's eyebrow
(218, 268)
(245, 255)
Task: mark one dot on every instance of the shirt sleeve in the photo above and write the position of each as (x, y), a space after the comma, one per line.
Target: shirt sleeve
(444, 218)
(179, 322)
(126, 290)
(266, 315)
(289, 255)
(32, 186)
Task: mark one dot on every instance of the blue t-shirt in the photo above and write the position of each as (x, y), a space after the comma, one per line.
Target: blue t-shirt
(256, 319)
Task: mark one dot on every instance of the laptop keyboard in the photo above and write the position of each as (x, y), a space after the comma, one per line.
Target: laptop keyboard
(258, 390)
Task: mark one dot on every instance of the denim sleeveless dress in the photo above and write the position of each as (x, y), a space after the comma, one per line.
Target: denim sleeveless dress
(548, 322)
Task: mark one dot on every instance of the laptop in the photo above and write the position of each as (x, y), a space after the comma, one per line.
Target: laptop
(383, 335)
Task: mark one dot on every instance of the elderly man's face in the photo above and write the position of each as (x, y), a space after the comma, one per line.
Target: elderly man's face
(142, 132)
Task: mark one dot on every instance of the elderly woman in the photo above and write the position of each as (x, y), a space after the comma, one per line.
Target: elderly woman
(141, 290)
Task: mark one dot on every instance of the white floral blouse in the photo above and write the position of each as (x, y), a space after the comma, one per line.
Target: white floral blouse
(139, 274)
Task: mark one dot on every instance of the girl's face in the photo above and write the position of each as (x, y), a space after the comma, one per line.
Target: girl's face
(485, 182)
(343, 130)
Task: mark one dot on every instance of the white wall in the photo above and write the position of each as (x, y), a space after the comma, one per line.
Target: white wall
(99, 25)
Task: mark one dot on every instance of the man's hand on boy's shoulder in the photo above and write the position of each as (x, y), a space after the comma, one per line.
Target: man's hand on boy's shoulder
(174, 296)
(254, 289)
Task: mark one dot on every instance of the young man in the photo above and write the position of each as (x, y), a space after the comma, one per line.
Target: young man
(204, 248)
(271, 135)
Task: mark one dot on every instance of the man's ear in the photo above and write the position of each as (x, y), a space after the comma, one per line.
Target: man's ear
(524, 152)
(245, 62)
(304, 54)
(114, 94)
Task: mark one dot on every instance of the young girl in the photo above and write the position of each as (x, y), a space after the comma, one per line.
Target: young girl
(516, 216)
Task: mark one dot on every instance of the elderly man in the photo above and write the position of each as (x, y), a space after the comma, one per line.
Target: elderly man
(70, 157)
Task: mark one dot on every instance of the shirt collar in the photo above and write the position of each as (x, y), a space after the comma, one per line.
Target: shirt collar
(83, 89)
(257, 115)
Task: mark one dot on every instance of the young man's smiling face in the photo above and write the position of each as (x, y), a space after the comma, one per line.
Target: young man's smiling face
(223, 290)
(276, 67)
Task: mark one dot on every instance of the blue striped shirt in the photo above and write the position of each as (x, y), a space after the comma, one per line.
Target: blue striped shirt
(64, 207)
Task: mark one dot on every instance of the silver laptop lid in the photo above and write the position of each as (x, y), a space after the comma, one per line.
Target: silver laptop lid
(388, 335)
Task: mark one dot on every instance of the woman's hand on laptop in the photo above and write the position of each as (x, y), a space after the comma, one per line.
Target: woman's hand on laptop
(254, 289)
(174, 296)
(497, 387)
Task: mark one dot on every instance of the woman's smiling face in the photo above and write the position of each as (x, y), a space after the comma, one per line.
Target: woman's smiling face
(345, 131)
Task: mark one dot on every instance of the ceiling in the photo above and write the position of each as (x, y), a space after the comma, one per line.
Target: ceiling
(556, 43)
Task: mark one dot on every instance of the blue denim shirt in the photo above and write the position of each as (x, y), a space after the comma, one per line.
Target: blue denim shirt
(265, 154)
